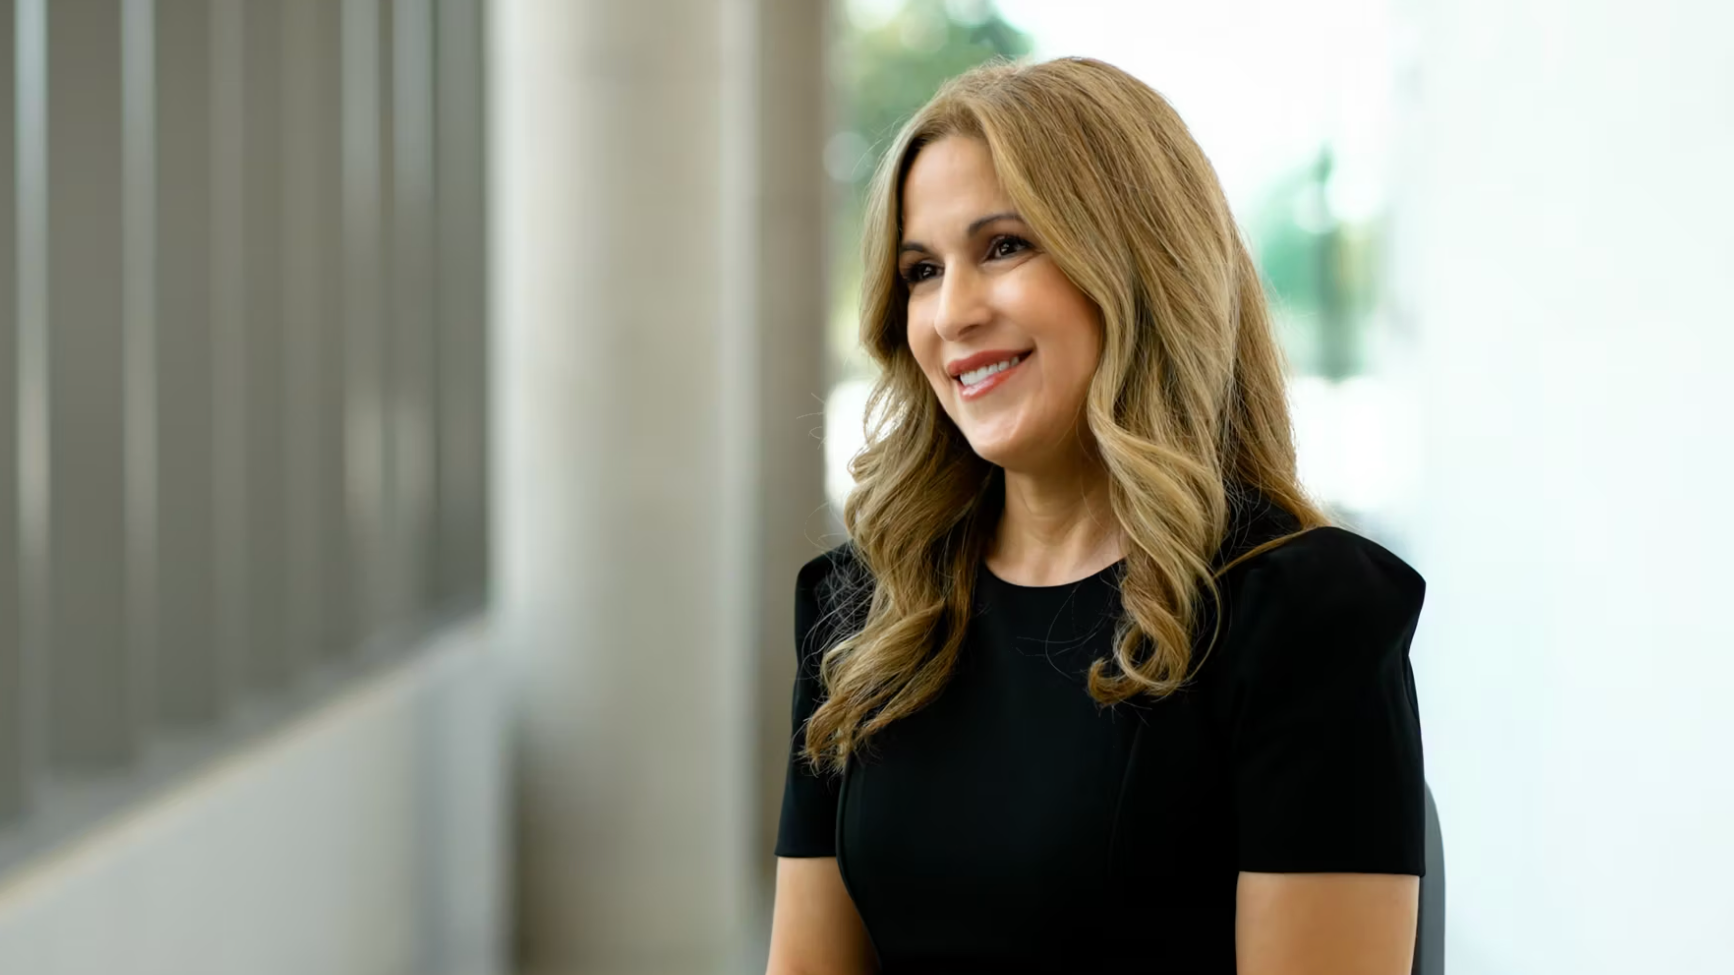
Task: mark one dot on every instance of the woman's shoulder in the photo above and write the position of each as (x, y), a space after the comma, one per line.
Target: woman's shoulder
(834, 578)
(832, 592)
(1331, 560)
(1318, 708)
(1322, 596)
(838, 561)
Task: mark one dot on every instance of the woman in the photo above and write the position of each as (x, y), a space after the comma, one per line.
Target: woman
(1093, 687)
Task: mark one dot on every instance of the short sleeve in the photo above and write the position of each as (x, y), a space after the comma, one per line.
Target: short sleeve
(1326, 736)
(807, 827)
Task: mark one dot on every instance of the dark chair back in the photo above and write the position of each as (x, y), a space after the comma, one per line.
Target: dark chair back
(1430, 931)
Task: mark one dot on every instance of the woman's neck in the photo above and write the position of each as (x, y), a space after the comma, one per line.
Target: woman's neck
(1056, 527)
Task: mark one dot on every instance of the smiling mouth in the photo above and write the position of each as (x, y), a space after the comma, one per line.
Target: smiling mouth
(980, 382)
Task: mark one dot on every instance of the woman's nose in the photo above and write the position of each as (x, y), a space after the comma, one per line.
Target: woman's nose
(962, 305)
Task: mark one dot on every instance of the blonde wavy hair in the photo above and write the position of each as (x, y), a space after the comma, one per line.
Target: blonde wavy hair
(1187, 401)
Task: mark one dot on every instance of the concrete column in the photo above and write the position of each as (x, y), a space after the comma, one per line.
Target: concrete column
(12, 691)
(657, 279)
(92, 712)
(461, 298)
(189, 686)
(364, 214)
(312, 449)
(608, 336)
(139, 377)
(788, 311)
(228, 342)
(411, 362)
(266, 458)
(29, 395)
(336, 595)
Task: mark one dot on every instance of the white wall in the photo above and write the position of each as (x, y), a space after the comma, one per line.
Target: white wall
(366, 838)
(1566, 247)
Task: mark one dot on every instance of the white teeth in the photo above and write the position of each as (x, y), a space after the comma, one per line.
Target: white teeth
(974, 376)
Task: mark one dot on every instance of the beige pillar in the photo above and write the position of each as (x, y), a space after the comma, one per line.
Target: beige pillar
(657, 282)
(792, 303)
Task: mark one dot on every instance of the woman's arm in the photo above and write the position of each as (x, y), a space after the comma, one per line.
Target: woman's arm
(815, 929)
(1325, 923)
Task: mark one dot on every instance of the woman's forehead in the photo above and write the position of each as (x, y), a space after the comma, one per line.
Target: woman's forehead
(951, 183)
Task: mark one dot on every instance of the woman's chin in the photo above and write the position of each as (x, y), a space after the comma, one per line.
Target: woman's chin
(1027, 454)
(997, 451)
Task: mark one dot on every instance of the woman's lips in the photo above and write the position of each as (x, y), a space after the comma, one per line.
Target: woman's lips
(994, 381)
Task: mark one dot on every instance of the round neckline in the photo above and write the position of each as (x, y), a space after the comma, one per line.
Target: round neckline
(1050, 588)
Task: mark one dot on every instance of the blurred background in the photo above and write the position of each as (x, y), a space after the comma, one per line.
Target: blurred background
(414, 413)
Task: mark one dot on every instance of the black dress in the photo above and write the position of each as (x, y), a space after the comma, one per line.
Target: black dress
(1015, 825)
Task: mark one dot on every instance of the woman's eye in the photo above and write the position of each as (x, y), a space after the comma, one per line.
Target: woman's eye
(917, 273)
(1006, 246)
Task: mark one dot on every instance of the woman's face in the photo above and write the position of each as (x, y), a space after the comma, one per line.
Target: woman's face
(1006, 340)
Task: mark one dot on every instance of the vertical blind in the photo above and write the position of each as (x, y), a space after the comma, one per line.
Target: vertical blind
(242, 358)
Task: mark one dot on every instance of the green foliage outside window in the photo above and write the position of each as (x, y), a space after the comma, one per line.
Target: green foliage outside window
(1320, 271)
(881, 76)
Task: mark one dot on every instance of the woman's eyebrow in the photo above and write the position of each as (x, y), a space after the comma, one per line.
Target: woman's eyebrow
(911, 246)
(980, 222)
